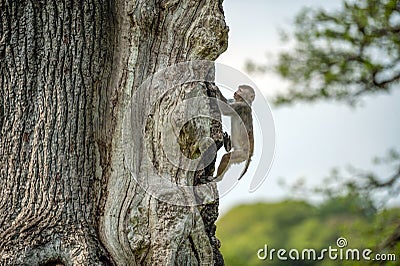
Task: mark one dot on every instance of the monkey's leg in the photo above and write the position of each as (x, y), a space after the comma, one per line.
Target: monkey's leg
(236, 156)
(223, 165)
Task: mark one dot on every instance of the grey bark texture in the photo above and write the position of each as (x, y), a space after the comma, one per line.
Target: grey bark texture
(72, 163)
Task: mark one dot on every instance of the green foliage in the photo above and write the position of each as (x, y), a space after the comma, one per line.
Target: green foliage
(296, 224)
(246, 228)
(344, 54)
(352, 203)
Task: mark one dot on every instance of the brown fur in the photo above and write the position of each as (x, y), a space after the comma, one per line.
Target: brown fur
(242, 142)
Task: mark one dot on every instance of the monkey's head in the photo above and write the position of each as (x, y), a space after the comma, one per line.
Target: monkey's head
(244, 93)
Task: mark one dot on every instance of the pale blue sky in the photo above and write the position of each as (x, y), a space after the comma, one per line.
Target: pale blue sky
(311, 139)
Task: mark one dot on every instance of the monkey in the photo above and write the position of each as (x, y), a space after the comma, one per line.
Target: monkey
(242, 139)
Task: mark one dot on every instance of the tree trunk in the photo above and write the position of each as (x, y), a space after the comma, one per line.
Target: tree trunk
(79, 161)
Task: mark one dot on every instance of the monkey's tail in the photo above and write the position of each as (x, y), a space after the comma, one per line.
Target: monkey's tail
(245, 168)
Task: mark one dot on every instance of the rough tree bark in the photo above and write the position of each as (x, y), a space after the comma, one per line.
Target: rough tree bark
(69, 191)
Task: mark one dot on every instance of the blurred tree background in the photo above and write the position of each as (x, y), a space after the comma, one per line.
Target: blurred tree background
(299, 225)
(339, 56)
(342, 55)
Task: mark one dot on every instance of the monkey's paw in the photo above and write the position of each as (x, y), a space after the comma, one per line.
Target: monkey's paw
(227, 142)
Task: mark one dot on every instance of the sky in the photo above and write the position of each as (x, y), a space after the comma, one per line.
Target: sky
(311, 139)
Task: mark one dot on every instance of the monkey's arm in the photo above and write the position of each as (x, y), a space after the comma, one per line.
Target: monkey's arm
(219, 95)
(227, 106)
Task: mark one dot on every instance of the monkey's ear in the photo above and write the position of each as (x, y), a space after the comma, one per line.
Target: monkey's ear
(252, 97)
